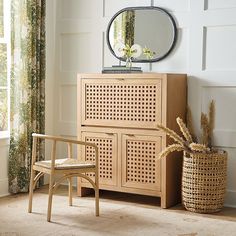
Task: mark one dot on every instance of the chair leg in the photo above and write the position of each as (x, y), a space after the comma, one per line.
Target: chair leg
(31, 190)
(97, 193)
(50, 194)
(97, 201)
(70, 191)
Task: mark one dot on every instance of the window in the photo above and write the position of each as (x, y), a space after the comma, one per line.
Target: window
(4, 67)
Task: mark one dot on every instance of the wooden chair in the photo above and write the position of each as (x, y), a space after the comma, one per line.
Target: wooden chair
(67, 168)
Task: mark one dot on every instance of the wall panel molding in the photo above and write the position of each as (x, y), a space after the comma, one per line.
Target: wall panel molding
(216, 55)
(75, 52)
(68, 103)
(173, 5)
(205, 50)
(4, 187)
(230, 199)
(225, 138)
(224, 115)
(4, 142)
(67, 128)
(219, 4)
(113, 6)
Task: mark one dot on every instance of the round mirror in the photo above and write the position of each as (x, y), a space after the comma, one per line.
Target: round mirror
(150, 30)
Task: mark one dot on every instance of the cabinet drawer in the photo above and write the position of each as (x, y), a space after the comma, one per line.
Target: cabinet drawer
(140, 165)
(107, 148)
(121, 103)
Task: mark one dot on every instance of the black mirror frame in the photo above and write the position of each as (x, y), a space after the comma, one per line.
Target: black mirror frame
(142, 8)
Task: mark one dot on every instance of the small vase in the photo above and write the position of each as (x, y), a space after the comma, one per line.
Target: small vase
(129, 62)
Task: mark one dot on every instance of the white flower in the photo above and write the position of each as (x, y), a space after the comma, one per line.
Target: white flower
(119, 49)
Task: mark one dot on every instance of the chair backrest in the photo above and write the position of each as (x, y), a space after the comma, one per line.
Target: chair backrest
(56, 139)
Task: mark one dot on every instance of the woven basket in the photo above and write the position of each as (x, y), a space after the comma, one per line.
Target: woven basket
(204, 181)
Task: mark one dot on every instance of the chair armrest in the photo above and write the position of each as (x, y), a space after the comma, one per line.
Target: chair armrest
(66, 140)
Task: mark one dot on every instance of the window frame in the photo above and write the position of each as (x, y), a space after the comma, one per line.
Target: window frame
(6, 39)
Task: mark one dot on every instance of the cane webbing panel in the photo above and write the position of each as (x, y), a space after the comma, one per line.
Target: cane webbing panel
(141, 161)
(105, 149)
(126, 103)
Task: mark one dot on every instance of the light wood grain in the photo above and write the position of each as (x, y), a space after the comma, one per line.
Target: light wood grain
(109, 107)
(66, 170)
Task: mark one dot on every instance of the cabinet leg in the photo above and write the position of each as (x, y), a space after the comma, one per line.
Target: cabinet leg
(82, 191)
(163, 203)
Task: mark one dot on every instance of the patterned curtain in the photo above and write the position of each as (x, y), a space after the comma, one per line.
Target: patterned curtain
(27, 113)
(124, 28)
(128, 27)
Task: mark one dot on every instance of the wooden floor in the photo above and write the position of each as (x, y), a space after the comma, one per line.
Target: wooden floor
(227, 213)
(120, 214)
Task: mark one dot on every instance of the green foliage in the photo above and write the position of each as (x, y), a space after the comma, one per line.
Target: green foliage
(3, 82)
(128, 51)
(23, 177)
(1, 19)
(27, 93)
(124, 28)
(148, 53)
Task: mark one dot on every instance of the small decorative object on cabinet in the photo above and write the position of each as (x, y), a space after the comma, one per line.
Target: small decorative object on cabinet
(204, 167)
(129, 52)
(120, 113)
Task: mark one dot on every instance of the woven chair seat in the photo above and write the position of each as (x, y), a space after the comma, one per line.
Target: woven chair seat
(66, 163)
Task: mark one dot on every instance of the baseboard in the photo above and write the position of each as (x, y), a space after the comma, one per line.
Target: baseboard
(230, 199)
(4, 187)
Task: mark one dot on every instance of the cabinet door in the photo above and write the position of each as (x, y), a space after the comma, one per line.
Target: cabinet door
(107, 147)
(140, 163)
(121, 103)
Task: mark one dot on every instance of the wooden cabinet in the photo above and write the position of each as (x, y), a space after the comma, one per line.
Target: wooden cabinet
(119, 112)
(140, 165)
(107, 145)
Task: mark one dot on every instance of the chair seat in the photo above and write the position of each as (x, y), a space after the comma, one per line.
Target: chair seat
(66, 163)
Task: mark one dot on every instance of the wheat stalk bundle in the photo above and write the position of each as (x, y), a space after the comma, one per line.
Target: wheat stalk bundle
(189, 141)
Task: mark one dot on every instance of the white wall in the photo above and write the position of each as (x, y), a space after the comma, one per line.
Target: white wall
(4, 146)
(205, 50)
(50, 70)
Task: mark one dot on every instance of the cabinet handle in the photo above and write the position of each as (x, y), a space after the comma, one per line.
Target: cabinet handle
(130, 135)
(120, 79)
(109, 133)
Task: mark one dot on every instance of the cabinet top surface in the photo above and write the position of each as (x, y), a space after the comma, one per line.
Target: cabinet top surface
(127, 75)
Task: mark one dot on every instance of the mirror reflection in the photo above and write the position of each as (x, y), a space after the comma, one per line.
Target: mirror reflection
(151, 30)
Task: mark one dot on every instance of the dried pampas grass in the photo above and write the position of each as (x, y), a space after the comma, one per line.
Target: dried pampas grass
(172, 134)
(189, 121)
(171, 148)
(207, 125)
(205, 129)
(198, 147)
(184, 130)
(189, 142)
